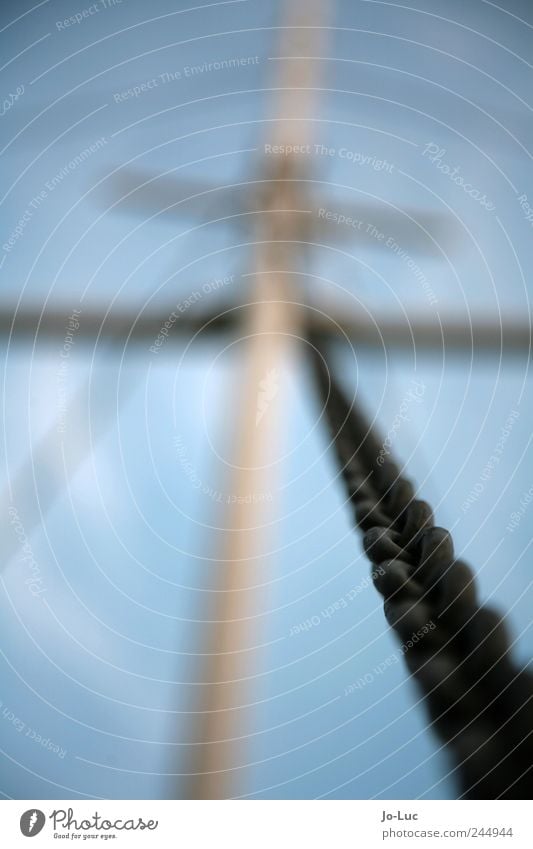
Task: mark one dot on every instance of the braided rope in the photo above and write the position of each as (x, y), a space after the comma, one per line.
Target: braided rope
(478, 699)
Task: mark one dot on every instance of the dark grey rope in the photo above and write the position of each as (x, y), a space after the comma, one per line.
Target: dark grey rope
(480, 702)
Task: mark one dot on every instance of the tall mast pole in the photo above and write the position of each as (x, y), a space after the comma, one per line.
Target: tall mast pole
(272, 326)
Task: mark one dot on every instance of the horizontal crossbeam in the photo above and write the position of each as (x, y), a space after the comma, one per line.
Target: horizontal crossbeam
(449, 335)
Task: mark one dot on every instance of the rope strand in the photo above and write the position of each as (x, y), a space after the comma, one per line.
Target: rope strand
(478, 699)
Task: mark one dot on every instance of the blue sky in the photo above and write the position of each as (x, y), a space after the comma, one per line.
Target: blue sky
(106, 663)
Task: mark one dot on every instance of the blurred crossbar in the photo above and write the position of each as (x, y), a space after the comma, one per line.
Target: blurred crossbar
(448, 335)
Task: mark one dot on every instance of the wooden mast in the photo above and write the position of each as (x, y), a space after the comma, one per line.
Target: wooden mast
(269, 333)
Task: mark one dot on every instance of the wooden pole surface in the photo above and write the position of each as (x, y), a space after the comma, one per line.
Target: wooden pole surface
(273, 324)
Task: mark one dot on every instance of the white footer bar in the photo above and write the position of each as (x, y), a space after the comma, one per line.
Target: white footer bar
(272, 824)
